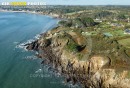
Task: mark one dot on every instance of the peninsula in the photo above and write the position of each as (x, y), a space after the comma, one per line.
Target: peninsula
(90, 47)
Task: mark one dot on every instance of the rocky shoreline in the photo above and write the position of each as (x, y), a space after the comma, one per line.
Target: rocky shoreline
(71, 74)
(90, 74)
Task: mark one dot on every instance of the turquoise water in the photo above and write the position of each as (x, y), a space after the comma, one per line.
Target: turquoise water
(19, 68)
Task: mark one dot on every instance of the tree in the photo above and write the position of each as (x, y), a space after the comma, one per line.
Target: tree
(87, 21)
(121, 17)
(65, 23)
(103, 14)
(62, 22)
(77, 23)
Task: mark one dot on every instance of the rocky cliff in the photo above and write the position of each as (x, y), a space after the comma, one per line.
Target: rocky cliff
(66, 51)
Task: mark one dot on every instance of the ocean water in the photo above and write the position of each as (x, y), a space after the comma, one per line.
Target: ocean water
(20, 68)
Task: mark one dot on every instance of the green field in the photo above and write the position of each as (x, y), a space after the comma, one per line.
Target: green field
(125, 42)
(117, 32)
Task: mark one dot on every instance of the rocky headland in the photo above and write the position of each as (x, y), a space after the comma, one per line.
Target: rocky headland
(67, 52)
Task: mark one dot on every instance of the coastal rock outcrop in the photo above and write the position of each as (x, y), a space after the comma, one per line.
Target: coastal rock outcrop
(94, 72)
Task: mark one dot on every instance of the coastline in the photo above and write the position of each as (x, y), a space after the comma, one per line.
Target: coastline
(61, 48)
(92, 73)
(18, 57)
(86, 73)
(32, 12)
(17, 11)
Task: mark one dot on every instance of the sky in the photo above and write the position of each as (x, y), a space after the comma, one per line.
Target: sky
(77, 2)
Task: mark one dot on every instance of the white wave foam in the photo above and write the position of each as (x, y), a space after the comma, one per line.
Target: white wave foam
(23, 45)
(30, 57)
(37, 36)
(39, 71)
(15, 42)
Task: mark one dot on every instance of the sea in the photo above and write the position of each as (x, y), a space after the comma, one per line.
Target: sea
(20, 68)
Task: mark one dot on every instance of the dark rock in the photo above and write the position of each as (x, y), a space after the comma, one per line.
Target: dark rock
(33, 46)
